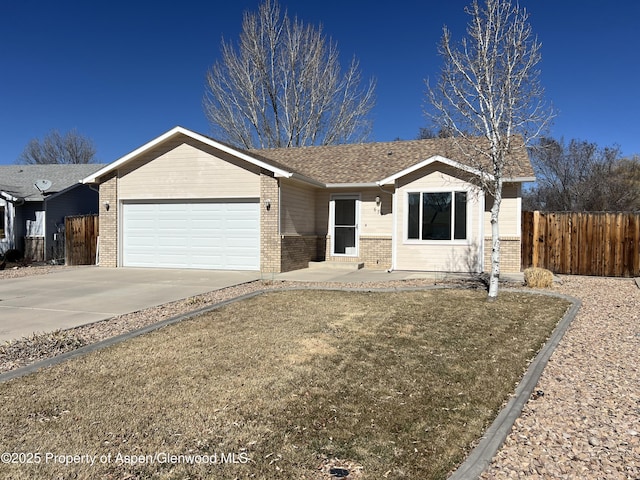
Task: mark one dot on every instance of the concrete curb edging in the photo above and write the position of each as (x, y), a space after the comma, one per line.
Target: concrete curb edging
(480, 457)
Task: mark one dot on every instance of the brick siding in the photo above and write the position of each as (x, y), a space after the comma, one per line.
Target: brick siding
(375, 252)
(109, 221)
(298, 251)
(270, 242)
(509, 254)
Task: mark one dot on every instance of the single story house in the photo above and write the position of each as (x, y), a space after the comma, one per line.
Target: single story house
(184, 200)
(35, 199)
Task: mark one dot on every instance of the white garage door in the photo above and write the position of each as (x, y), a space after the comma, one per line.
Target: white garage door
(211, 235)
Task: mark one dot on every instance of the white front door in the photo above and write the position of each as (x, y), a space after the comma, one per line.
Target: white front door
(345, 215)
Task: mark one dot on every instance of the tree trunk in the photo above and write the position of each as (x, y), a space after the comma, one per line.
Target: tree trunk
(494, 278)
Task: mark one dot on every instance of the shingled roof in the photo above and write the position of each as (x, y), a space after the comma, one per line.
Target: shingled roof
(361, 163)
(18, 180)
(365, 163)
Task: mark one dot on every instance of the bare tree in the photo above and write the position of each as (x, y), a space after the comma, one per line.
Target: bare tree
(56, 148)
(283, 87)
(581, 176)
(489, 88)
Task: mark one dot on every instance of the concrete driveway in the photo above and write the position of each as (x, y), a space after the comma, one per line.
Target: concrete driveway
(82, 295)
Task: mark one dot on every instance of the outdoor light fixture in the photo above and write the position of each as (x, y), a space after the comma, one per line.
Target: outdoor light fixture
(378, 201)
(267, 204)
(106, 206)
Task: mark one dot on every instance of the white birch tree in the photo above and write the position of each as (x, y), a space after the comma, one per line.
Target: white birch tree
(283, 86)
(490, 99)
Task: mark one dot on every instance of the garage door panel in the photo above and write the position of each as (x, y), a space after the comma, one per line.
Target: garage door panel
(211, 235)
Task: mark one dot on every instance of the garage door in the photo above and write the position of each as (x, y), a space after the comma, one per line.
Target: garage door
(211, 235)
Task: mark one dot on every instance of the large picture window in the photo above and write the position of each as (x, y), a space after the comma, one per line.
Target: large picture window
(437, 216)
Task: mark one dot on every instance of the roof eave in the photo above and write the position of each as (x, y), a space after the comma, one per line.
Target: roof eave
(352, 185)
(8, 197)
(94, 178)
(304, 179)
(520, 179)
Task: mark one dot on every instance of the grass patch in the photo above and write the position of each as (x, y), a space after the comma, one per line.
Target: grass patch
(285, 385)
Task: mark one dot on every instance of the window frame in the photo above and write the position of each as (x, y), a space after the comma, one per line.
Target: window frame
(449, 241)
(3, 226)
(332, 222)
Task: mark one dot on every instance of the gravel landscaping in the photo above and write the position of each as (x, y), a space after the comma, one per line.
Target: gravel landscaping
(581, 423)
(585, 424)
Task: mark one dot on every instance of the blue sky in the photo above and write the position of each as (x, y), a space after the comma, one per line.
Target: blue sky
(124, 72)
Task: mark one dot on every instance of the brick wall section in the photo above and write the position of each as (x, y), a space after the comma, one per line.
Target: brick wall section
(109, 221)
(509, 254)
(270, 242)
(375, 253)
(298, 251)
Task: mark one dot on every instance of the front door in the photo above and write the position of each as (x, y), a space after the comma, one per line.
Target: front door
(345, 225)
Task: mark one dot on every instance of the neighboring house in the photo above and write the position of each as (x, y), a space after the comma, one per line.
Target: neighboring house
(34, 199)
(184, 200)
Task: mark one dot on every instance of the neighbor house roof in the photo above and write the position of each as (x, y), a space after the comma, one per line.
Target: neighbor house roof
(18, 181)
(369, 163)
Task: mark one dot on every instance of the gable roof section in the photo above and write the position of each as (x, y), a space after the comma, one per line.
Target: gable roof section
(17, 181)
(380, 163)
(176, 131)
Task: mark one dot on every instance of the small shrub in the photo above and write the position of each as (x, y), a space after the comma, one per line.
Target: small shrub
(538, 277)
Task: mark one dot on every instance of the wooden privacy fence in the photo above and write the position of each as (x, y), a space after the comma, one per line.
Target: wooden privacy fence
(603, 244)
(81, 239)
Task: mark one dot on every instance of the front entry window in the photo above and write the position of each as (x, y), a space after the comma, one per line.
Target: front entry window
(345, 235)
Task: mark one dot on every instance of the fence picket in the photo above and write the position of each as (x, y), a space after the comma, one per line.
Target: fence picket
(81, 234)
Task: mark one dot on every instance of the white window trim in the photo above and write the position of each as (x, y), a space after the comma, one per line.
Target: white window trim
(417, 241)
(3, 216)
(344, 196)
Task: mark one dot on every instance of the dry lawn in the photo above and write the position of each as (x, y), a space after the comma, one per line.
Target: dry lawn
(291, 385)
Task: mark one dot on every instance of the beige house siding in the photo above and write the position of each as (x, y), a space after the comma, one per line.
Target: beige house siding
(297, 224)
(298, 208)
(510, 229)
(510, 212)
(375, 224)
(450, 256)
(181, 170)
(374, 220)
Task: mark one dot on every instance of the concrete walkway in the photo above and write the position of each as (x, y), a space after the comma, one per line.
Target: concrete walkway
(77, 296)
(331, 274)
